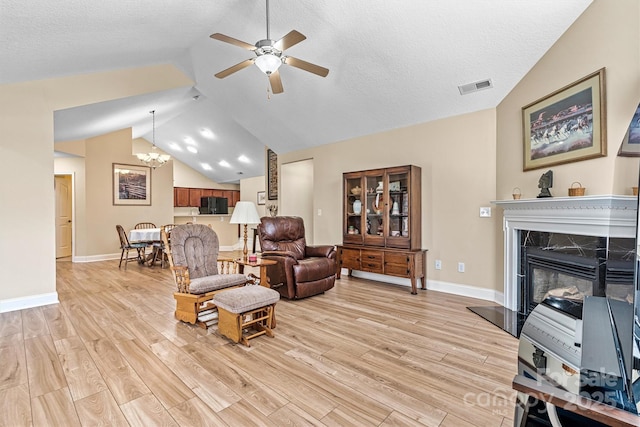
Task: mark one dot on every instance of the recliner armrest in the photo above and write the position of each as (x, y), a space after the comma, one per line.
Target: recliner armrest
(319, 251)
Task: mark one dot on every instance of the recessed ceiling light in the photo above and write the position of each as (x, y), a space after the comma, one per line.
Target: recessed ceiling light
(224, 163)
(189, 140)
(243, 159)
(192, 149)
(174, 146)
(207, 133)
(206, 166)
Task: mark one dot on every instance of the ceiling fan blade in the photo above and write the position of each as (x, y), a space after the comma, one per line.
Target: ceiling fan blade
(244, 64)
(307, 66)
(276, 82)
(232, 41)
(291, 39)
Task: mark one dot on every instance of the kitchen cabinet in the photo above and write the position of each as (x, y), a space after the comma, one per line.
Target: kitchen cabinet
(190, 197)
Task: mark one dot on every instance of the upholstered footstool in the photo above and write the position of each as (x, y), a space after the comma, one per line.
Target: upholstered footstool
(245, 309)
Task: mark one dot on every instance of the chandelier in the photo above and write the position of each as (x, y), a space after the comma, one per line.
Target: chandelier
(153, 158)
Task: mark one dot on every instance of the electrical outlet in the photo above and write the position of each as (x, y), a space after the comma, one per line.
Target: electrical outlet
(461, 267)
(438, 264)
(485, 212)
(319, 212)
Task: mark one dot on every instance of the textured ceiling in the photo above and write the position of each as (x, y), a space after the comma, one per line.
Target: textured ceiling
(392, 64)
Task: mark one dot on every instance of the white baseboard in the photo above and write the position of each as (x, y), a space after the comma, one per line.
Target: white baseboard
(466, 291)
(434, 285)
(94, 258)
(13, 304)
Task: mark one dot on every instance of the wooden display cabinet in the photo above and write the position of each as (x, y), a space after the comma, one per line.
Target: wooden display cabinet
(382, 223)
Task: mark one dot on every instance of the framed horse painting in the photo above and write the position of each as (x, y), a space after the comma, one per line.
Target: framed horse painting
(567, 125)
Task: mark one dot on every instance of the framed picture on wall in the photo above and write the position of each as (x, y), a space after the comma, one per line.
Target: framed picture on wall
(131, 185)
(272, 175)
(568, 125)
(631, 142)
(261, 197)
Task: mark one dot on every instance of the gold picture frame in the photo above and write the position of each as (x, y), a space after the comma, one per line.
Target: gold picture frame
(131, 185)
(631, 142)
(272, 175)
(568, 125)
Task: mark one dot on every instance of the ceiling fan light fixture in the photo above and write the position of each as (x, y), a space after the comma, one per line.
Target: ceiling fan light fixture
(268, 63)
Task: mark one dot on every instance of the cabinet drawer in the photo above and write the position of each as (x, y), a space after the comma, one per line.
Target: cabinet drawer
(371, 261)
(371, 256)
(350, 258)
(371, 266)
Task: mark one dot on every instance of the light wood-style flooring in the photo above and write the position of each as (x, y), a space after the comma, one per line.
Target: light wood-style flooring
(363, 354)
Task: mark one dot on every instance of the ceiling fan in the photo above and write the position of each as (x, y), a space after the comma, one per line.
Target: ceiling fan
(269, 56)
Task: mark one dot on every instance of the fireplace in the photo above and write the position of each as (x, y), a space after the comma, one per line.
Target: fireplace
(567, 246)
(571, 245)
(573, 266)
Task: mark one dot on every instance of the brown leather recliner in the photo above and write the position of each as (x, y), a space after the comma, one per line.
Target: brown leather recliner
(302, 270)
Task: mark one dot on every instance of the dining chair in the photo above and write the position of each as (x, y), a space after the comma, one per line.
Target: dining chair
(142, 225)
(159, 248)
(126, 246)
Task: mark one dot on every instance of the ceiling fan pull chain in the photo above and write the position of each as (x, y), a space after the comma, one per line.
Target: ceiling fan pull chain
(268, 92)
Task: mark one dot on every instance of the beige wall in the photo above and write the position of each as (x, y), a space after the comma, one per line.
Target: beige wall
(606, 35)
(457, 156)
(249, 188)
(27, 247)
(95, 216)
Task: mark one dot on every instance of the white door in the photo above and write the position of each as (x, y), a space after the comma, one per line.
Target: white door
(63, 215)
(296, 198)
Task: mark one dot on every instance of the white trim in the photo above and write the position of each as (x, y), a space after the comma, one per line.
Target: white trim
(14, 304)
(466, 291)
(95, 258)
(432, 285)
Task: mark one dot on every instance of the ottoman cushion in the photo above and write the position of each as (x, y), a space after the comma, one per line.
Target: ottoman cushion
(247, 298)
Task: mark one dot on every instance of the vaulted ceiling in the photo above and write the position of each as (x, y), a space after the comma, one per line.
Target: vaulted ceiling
(391, 64)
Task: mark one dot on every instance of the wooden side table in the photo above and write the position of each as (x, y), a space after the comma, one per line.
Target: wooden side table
(262, 264)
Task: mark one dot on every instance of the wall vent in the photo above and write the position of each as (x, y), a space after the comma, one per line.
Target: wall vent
(475, 86)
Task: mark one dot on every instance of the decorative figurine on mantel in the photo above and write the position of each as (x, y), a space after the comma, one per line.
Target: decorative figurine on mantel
(545, 183)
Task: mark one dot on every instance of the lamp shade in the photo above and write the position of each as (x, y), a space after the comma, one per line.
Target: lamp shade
(268, 63)
(245, 213)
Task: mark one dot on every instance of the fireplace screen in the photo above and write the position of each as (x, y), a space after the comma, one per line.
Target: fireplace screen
(570, 266)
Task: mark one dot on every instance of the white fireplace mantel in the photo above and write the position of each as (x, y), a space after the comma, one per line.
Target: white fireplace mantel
(604, 216)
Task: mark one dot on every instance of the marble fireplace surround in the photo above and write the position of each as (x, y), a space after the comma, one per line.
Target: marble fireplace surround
(602, 216)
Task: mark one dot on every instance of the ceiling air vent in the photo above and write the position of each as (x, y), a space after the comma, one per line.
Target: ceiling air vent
(475, 86)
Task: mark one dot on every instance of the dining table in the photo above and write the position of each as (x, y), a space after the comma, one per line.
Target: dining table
(152, 236)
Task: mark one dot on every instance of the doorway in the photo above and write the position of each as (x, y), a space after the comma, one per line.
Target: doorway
(63, 185)
(297, 193)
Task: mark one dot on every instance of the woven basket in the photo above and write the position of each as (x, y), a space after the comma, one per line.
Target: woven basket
(576, 191)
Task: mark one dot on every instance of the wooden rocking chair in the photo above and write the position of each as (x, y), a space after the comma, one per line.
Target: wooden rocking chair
(198, 272)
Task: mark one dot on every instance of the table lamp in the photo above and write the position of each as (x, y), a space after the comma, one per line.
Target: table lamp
(245, 213)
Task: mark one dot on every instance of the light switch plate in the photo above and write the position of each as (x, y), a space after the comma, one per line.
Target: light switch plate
(485, 212)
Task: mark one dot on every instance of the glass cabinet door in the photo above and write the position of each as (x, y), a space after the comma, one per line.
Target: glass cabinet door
(354, 207)
(399, 207)
(376, 206)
